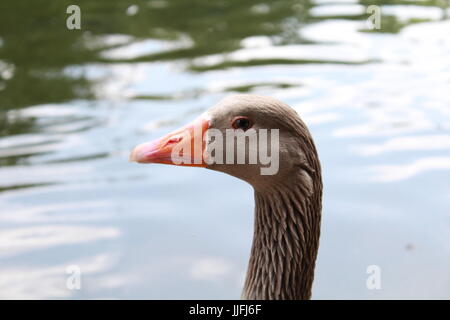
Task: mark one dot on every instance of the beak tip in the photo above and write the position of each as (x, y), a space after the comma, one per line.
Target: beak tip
(132, 157)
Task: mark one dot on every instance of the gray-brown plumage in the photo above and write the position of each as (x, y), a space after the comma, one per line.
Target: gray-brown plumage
(288, 204)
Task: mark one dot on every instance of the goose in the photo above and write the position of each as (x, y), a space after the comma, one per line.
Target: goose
(288, 204)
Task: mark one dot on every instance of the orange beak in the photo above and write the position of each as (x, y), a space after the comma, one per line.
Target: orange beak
(183, 147)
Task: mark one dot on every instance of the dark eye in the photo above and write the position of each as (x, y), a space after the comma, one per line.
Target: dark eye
(242, 123)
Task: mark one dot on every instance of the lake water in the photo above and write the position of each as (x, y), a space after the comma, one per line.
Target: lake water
(74, 102)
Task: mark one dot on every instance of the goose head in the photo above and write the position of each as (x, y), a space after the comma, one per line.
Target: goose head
(276, 142)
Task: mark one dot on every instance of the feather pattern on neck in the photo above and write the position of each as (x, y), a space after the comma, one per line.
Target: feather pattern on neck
(286, 240)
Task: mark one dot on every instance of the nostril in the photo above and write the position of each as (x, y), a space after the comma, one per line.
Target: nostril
(174, 139)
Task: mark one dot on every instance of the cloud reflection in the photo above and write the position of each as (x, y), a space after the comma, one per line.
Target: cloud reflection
(409, 143)
(210, 269)
(390, 173)
(50, 281)
(20, 240)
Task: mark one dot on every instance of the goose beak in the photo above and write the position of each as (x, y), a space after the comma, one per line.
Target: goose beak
(183, 147)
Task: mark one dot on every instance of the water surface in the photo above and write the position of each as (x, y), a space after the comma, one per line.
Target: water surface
(73, 104)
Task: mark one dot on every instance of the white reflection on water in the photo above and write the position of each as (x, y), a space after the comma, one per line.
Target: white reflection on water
(404, 13)
(74, 212)
(141, 48)
(388, 173)
(210, 269)
(342, 9)
(407, 143)
(20, 240)
(49, 282)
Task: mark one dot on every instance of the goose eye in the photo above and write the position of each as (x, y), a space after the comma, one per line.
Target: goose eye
(242, 123)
